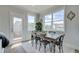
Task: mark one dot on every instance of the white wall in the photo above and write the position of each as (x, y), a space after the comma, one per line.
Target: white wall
(0, 46)
(72, 27)
(5, 19)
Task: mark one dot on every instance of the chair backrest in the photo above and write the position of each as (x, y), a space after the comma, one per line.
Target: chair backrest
(61, 38)
(42, 35)
(33, 35)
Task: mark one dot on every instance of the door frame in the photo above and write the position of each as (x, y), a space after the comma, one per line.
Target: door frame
(14, 14)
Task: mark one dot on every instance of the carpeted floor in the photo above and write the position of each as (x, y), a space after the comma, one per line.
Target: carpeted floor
(26, 47)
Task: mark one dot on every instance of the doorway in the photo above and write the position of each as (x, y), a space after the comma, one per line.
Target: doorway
(17, 29)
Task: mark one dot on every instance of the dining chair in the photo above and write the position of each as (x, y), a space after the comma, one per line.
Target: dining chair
(43, 42)
(32, 38)
(59, 43)
(37, 39)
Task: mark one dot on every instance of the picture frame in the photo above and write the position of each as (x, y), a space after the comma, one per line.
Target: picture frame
(71, 15)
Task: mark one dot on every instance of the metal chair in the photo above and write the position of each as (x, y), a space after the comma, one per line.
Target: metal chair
(44, 42)
(59, 43)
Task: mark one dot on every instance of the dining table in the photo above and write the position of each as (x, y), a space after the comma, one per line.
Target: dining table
(52, 36)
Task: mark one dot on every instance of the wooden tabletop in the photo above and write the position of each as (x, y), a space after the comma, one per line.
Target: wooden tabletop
(52, 37)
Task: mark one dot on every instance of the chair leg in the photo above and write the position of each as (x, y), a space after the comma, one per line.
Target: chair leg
(40, 46)
(50, 46)
(36, 43)
(60, 48)
(54, 48)
(45, 48)
(32, 42)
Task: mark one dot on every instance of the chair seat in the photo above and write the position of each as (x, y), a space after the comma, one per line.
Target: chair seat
(45, 42)
(57, 43)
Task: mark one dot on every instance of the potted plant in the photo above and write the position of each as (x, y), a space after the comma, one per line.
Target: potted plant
(38, 26)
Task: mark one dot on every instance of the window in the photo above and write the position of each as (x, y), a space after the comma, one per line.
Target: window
(47, 22)
(31, 23)
(58, 20)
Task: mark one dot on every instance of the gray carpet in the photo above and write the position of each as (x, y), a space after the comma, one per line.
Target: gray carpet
(26, 47)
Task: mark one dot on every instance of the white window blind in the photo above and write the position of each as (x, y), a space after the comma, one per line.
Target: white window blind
(58, 20)
(31, 23)
(47, 22)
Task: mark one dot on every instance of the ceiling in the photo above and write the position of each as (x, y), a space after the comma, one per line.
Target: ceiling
(35, 8)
